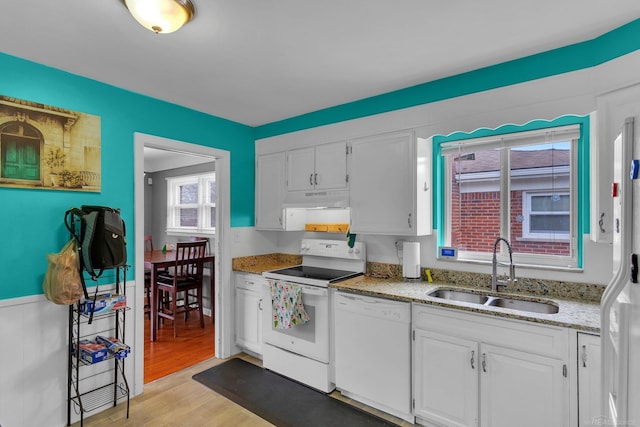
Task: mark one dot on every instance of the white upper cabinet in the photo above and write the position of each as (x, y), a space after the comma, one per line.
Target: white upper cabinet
(390, 184)
(270, 185)
(323, 167)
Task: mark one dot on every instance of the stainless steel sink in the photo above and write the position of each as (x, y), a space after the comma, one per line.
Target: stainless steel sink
(495, 301)
(524, 305)
(461, 296)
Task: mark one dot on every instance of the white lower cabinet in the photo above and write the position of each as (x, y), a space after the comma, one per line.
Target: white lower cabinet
(248, 313)
(521, 389)
(476, 370)
(445, 385)
(589, 390)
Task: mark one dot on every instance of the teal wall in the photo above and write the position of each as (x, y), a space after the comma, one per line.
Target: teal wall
(31, 221)
(611, 45)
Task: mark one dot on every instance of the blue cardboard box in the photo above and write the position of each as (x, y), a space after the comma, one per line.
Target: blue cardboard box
(92, 352)
(105, 303)
(119, 349)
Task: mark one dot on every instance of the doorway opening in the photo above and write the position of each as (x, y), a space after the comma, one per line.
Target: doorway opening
(179, 205)
(192, 342)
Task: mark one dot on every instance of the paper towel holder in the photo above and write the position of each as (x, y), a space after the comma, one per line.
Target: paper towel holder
(411, 260)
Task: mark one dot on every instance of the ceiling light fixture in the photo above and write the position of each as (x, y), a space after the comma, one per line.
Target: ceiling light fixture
(161, 16)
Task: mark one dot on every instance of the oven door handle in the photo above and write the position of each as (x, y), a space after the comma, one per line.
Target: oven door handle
(313, 290)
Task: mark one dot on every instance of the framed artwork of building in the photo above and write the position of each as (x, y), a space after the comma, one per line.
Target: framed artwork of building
(47, 147)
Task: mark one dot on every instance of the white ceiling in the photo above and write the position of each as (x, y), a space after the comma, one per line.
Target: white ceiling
(156, 159)
(259, 61)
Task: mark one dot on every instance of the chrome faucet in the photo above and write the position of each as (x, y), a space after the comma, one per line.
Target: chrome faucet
(495, 282)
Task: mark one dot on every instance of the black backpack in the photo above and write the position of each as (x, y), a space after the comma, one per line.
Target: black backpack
(101, 238)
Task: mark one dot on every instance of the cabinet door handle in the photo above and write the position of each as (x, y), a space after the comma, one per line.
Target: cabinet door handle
(409, 221)
(584, 356)
(484, 362)
(315, 178)
(473, 359)
(310, 179)
(260, 304)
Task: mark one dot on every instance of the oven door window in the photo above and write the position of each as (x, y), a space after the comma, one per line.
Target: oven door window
(310, 339)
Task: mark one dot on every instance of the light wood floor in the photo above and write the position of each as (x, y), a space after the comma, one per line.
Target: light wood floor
(171, 398)
(179, 401)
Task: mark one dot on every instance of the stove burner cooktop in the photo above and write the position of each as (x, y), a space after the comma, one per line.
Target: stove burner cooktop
(316, 273)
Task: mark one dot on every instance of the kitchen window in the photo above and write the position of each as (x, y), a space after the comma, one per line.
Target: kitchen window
(191, 204)
(522, 185)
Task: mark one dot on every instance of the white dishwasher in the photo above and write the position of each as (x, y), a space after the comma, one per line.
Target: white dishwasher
(373, 352)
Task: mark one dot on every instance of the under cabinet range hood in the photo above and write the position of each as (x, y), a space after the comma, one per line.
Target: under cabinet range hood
(317, 199)
(296, 219)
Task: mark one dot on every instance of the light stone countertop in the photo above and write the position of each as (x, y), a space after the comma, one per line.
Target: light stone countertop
(571, 314)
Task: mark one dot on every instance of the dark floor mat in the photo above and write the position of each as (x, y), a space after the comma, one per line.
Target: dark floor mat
(281, 401)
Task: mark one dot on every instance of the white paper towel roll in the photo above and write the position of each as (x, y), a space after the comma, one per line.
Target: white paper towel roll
(411, 260)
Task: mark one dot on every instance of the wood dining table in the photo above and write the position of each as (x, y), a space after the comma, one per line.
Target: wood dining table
(158, 260)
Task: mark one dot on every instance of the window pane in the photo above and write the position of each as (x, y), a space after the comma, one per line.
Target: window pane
(212, 217)
(189, 217)
(212, 191)
(188, 193)
(550, 203)
(544, 169)
(475, 200)
(558, 224)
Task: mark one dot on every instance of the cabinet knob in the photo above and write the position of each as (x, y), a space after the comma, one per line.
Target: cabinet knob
(473, 359)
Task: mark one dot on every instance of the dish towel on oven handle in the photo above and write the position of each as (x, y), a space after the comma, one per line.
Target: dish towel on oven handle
(286, 300)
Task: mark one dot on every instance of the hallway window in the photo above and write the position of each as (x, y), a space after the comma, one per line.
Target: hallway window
(192, 204)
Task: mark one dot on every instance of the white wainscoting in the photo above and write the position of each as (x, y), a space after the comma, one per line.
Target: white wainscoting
(33, 360)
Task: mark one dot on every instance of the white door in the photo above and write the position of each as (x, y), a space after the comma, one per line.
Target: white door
(521, 389)
(382, 181)
(445, 386)
(300, 169)
(331, 166)
(270, 170)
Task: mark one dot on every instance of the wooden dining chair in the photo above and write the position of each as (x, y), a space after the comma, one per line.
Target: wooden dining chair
(148, 243)
(211, 270)
(182, 283)
(148, 247)
(200, 238)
